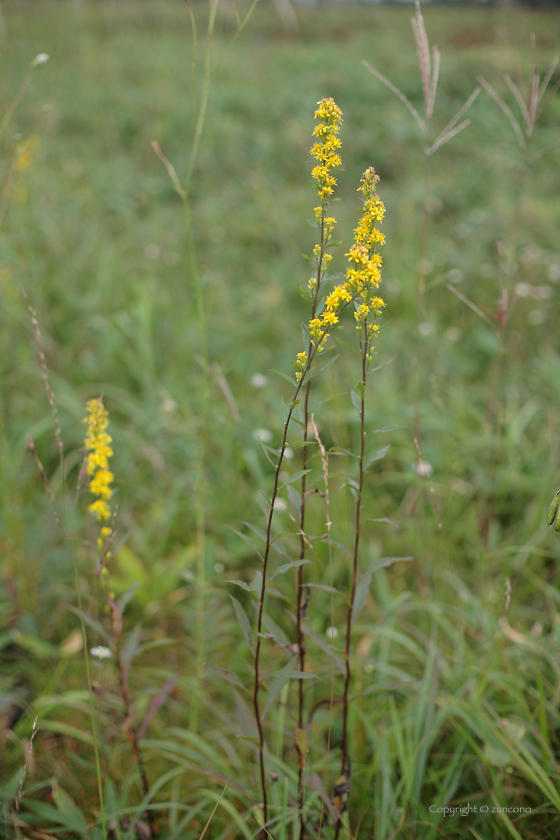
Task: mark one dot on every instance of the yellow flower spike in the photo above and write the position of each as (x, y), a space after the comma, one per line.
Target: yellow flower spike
(24, 152)
(325, 151)
(299, 364)
(98, 449)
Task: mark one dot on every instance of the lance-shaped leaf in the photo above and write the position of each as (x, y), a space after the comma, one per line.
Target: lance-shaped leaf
(242, 584)
(246, 538)
(225, 675)
(156, 703)
(364, 583)
(295, 477)
(279, 636)
(243, 621)
(274, 692)
(293, 564)
(377, 456)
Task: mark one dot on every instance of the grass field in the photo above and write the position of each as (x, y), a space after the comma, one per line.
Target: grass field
(455, 655)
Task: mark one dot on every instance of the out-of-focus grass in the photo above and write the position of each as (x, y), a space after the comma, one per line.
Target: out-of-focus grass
(95, 234)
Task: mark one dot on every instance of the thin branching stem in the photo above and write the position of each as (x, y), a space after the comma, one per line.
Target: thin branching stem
(262, 595)
(268, 544)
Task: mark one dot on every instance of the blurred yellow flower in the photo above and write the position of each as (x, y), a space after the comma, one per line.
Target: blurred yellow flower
(98, 452)
(25, 150)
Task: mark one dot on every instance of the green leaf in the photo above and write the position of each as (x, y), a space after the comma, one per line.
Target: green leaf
(247, 539)
(356, 401)
(275, 690)
(304, 292)
(243, 621)
(364, 583)
(256, 583)
(340, 547)
(241, 583)
(388, 362)
(67, 729)
(384, 562)
(325, 587)
(251, 738)
(389, 429)
(272, 628)
(330, 362)
(295, 477)
(377, 456)
(36, 646)
(127, 597)
(382, 519)
(266, 449)
(378, 687)
(131, 646)
(282, 569)
(295, 499)
(296, 675)
(70, 812)
(50, 815)
(284, 376)
(225, 675)
(264, 503)
(260, 532)
(348, 346)
(360, 596)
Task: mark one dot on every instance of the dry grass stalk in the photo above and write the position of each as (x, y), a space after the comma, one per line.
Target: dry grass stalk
(19, 796)
(46, 380)
(530, 109)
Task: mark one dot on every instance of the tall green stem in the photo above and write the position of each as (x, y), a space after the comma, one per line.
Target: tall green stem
(200, 487)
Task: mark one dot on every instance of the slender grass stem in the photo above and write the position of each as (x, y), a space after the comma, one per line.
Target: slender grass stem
(200, 109)
(424, 236)
(200, 484)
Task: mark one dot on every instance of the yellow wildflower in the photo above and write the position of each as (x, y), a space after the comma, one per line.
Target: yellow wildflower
(98, 452)
(24, 152)
(325, 152)
(300, 364)
(329, 318)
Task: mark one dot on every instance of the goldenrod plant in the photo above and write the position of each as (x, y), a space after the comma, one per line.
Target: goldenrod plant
(326, 152)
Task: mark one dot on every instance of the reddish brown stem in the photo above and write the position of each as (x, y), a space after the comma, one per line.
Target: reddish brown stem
(261, 600)
(130, 731)
(348, 675)
(299, 597)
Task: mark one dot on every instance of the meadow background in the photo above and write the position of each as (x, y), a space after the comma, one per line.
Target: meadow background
(95, 233)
